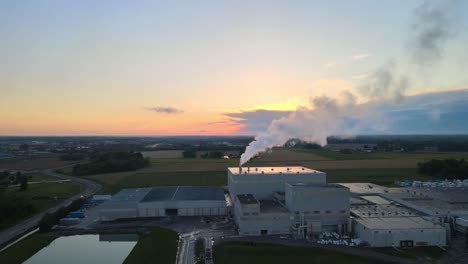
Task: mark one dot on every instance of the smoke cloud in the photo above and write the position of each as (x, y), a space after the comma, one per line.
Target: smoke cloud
(325, 116)
(434, 23)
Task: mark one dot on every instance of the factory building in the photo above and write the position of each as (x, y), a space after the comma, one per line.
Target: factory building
(165, 201)
(384, 222)
(287, 200)
(400, 232)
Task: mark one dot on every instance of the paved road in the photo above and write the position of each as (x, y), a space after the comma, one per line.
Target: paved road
(30, 223)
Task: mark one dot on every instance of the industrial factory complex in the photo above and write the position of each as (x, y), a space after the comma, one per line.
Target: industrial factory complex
(299, 201)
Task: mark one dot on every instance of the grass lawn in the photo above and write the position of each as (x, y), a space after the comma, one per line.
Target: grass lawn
(413, 253)
(160, 246)
(24, 249)
(240, 252)
(385, 177)
(66, 171)
(41, 196)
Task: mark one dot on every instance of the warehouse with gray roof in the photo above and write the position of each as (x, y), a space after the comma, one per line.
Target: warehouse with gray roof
(165, 201)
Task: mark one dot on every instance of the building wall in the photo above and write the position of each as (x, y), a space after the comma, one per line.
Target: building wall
(262, 186)
(184, 208)
(276, 223)
(312, 199)
(114, 213)
(392, 238)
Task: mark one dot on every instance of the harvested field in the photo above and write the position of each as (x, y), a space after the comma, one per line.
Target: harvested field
(39, 163)
(344, 164)
(280, 154)
(196, 171)
(163, 154)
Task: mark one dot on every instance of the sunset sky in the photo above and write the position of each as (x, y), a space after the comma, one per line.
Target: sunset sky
(197, 67)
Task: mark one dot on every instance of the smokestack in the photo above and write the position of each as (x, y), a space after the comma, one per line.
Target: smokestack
(240, 169)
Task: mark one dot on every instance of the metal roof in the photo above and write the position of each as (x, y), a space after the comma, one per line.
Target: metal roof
(393, 223)
(184, 193)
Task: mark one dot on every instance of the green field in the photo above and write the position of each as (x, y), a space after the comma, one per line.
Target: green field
(379, 168)
(24, 249)
(113, 184)
(240, 252)
(41, 196)
(160, 246)
(383, 155)
(385, 177)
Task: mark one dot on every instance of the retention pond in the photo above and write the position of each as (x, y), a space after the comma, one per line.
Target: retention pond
(79, 249)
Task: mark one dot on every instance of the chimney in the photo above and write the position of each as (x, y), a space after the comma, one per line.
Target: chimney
(240, 170)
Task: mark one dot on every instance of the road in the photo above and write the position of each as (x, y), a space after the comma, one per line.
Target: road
(29, 224)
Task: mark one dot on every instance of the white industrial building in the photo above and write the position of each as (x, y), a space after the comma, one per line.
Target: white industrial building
(165, 201)
(384, 221)
(400, 232)
(387, 224)
(287, 200)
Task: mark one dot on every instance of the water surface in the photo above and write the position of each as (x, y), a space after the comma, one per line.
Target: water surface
(86, 249)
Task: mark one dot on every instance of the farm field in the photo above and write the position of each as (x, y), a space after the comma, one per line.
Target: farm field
(240, 252)
(35, 163)
(163, 154)
(160, 246)
(383, 155)
(24, 249)
(180, 171)
(385, 177)
(114, 182)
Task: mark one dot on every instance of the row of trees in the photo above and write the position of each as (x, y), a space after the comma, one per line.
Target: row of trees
(192, 153)
(111, 162)
(49, 220)
(13, 208)
(445, 169)
(17, 178)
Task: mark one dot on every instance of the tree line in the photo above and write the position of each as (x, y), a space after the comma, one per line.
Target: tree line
(445, 169)
(51, 219)
(111, 162)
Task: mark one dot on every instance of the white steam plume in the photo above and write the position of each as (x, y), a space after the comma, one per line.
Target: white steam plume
(432, 27)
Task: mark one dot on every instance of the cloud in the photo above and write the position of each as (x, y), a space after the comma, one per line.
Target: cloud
(165, 110)
(256, 120)
(360, 76)
(430, 113)
(330, 64)
(360, 56)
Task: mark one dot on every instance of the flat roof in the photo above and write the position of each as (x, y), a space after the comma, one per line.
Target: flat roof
(268, 206)
(368, 188)
(375, 199)
(184, 193)
(247, 199)
(315, 185)
(396, 223)
(271, 170)
(130, 195)
(381, 211)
